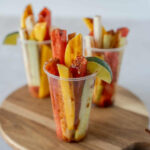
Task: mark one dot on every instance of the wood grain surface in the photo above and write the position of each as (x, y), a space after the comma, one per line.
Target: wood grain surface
(27, 123)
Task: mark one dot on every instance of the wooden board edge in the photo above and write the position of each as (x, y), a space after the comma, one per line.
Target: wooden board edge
(10, 141)
(30, 115)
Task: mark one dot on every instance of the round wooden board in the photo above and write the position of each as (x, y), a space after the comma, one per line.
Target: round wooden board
(27, 123)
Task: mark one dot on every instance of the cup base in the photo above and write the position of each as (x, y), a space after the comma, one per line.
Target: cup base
(80, 139)
(34, 91)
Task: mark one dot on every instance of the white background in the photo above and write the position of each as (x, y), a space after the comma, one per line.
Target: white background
(135, 14)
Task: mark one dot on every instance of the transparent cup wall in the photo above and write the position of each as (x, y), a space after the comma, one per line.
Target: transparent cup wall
(71, 102)
(35, 54)
(104, 93)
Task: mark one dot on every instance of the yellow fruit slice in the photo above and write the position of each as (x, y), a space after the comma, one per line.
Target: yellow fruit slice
(11, 39)
(89, 23)
(67, 92)
(73, 49)
(46, 54)
(27, 12)
(107, 40)
(71, 35)
(98, 88)
(40, 31)
(96, 65)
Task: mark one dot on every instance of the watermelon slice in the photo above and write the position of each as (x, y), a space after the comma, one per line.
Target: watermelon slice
(59, 42)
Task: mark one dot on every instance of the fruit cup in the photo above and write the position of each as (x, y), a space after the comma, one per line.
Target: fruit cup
(35, 54)
(104, 93)
(71, 102)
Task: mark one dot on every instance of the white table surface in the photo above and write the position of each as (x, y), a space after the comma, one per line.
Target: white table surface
(135, 71)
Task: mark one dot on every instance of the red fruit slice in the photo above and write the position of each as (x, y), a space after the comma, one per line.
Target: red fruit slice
(51, 67)
(107, 94)
(59, 42)
(34, 90)
(124, 31)
(91, 33)
(112, 58)
(78, 67)
(45, 16)
(53, 86)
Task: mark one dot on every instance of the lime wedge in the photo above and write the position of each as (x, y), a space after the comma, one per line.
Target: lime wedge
(11, 39)
(96, 65)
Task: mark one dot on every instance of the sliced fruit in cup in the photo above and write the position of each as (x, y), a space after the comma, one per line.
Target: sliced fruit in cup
(96, 65)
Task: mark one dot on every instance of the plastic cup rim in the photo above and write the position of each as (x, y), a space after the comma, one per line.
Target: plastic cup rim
(33, 41)
(68, 79)
(108, 49)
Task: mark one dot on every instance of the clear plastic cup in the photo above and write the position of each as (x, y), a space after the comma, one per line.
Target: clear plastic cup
(71, 102)
(35, 54)
(104, 93)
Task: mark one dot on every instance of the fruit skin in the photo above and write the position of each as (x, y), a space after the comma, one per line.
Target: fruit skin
(58, 43)
(73, 49)
(45, 16)
(95, 65)
(46, 54)
(11, 38)
(68, 96)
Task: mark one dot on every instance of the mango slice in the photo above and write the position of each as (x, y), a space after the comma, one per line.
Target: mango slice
(73, 49)
(98, 88)
(107, 40)
(27, 12)
(71, 35)
(89, 23)
(68, 97)
(46, 54)
(40, 31)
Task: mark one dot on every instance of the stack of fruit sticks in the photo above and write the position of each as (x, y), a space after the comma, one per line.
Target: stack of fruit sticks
(36, 49)
(100, 38)
(68, 62)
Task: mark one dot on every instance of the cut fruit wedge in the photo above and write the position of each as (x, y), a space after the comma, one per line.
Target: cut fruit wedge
(96, 65)
(68, 98)
(11, 39)
(89, 23)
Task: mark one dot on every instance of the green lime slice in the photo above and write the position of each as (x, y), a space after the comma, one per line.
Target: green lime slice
(11, 38)
(100, 67)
